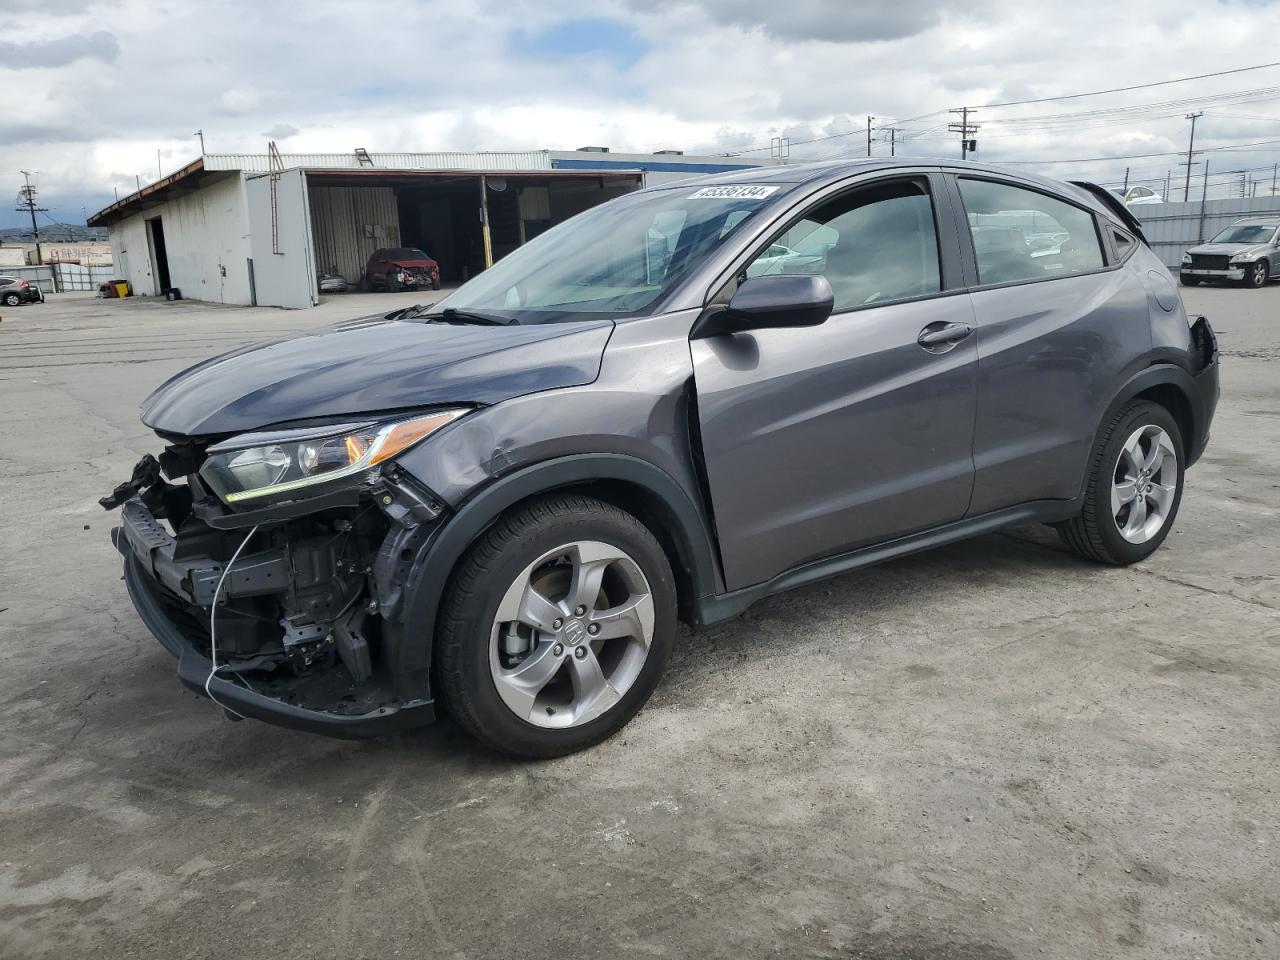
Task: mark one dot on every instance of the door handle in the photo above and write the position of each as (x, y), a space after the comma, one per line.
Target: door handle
(942, 336)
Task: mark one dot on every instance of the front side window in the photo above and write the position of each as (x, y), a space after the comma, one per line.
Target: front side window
(874, 246)
(1024, 235)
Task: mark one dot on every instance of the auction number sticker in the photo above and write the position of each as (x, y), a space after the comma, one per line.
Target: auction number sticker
(741, 191)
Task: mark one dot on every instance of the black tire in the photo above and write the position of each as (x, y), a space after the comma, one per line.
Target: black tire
(1189, 281)
(461, 665)
(12, 299)
(1258, 274)
(435, 284)
(389, 283)
(1094, 534)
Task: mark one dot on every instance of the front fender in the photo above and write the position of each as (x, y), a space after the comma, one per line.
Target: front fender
(436, 560)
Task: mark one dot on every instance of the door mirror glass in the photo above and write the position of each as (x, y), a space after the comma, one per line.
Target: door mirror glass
(765, 302)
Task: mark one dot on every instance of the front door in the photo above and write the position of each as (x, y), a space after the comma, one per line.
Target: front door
(819, 440)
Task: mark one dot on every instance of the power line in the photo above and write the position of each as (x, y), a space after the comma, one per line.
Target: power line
(1136, 86)
(1143, 156)
(1188, 103)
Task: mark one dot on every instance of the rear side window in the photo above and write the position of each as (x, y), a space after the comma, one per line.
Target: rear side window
(1024, 235)
(874, 245)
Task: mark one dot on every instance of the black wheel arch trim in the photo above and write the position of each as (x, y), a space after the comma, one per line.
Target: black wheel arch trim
(437, 559)
(1193, 390)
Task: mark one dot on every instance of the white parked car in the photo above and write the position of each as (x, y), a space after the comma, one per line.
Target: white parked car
(1138, 195)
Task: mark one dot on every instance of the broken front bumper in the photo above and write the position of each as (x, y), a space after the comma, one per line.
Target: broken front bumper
(1199, 273)
(172, 597)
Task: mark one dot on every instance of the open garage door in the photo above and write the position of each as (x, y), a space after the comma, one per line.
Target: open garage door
(280, 242)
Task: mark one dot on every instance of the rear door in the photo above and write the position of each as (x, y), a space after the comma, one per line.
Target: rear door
(1057, 328)
(822, 439)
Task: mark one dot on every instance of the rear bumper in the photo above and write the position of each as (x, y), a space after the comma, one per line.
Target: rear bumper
(156, 583)
(1205, 342)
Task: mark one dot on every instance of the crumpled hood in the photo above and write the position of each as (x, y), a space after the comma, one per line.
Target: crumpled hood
(1226, 249)
(373, 365)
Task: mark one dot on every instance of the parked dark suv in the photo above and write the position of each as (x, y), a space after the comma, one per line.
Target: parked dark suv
(503, 503)
(15, 290)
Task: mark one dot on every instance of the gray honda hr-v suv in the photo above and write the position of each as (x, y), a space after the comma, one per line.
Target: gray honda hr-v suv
(665, 408)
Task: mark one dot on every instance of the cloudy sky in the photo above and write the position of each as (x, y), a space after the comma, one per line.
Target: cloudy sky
(92, 90)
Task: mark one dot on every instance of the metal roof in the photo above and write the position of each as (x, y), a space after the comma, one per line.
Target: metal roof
(445, 160)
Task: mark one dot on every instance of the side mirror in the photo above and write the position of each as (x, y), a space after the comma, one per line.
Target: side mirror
(765, 302)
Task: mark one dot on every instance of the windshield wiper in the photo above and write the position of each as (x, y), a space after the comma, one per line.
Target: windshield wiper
(454, 315)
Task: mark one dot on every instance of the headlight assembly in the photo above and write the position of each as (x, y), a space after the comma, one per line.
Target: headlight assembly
(256, 465)
(1186, 258)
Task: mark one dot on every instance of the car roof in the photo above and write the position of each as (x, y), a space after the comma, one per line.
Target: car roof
(1258, 221)
(818, 173)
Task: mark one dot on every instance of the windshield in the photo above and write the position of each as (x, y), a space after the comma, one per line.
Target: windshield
(1245, 233)
(406, 253)
(619, 259)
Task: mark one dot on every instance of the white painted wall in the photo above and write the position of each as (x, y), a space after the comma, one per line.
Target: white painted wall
(283, 276)
(206, 234)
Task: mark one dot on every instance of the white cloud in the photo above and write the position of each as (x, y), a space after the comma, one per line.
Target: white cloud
(715, 77)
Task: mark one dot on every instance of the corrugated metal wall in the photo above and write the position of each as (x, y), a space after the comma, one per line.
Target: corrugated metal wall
(348, 224)
(1174, 227)
(448, 160)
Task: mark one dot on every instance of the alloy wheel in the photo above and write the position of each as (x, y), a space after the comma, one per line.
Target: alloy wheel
(1145, 484)
(571, 634)
(1258, 274)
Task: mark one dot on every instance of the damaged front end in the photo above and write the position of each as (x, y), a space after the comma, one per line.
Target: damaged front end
(275, 568)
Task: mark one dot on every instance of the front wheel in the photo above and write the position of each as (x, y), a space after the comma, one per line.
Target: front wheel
(1134, 487)
(1189, 281)
(1258, 275)
(556, 627)
(435, 283)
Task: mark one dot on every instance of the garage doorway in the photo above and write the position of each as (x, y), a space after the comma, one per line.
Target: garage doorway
(159, 255)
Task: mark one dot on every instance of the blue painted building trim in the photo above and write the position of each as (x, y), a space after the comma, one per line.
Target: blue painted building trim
(657, 166)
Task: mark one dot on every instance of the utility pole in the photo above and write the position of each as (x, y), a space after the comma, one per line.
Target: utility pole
(200, 133)
(1274, 170)
(1186, 189)
(1204, 195)
(893, 140)
(1168, 176)
(27, 203)
(966, 130)
(869, 119)
(1126, 180)
(159, 169)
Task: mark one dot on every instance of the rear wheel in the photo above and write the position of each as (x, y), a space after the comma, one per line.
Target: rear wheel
(1134, 488)
(556, 627)
(1258, 274)
(12, 299)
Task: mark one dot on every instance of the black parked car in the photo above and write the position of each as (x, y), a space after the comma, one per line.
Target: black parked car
(15, 290)
(502, 503)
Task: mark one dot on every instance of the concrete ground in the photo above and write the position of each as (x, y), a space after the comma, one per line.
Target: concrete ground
(987, 752)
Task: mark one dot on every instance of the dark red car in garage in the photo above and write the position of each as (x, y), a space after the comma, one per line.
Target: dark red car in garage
(401, 268)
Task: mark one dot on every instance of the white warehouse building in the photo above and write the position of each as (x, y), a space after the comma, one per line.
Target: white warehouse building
(262, 229)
